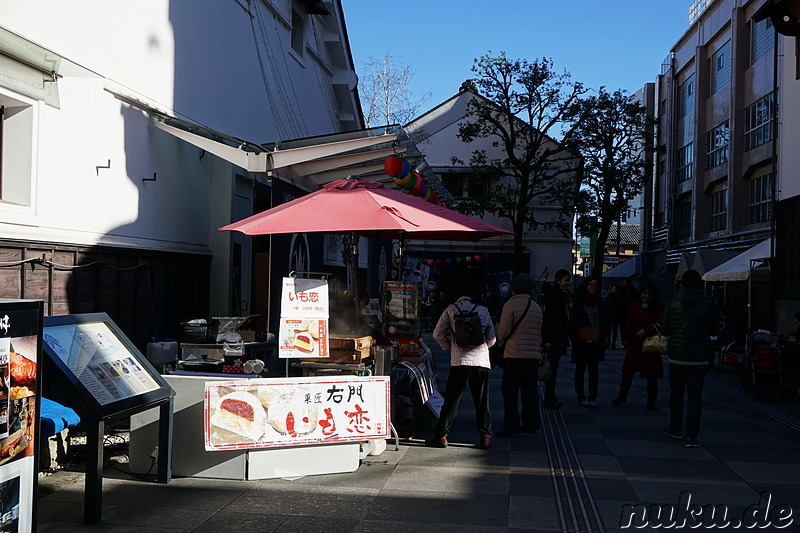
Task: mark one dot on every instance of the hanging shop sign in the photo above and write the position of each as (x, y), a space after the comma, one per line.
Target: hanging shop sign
(303, 328)
(264, 413)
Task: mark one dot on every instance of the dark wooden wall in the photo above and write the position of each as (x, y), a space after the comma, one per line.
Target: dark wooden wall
(146, 293)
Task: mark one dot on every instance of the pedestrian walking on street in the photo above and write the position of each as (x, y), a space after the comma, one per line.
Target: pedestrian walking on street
(643, 319)
(556, 328)
(615, 308)
(469, 363)
(521, 327)
(588, 339)
(689, 321)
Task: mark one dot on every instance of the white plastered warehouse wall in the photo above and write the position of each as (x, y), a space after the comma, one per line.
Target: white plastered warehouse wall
(195, 60)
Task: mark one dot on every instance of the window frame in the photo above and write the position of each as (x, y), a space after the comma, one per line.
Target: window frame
(684, 167)
(757, 53)
(761, 195)
(718, 212)
(719, 61)
(683, 218)
(758, 124)
(686, 91)
(717, 143)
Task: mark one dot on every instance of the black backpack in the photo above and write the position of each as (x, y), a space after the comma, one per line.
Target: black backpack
(467, 328)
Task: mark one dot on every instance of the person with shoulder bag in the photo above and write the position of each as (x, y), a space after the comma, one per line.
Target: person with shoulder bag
(643, 318)
(556, 327)
(521, 327)
(466, 329)
(588, 343)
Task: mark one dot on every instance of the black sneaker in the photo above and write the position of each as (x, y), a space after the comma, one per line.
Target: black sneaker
(670, 432)
(692, 442)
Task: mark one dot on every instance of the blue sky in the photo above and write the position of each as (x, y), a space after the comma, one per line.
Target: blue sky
(617, 43)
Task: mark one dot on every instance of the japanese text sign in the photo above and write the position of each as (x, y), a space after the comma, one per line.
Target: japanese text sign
(304, 298)
(264, 413)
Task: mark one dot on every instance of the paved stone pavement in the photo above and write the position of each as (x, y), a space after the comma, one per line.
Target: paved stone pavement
(576, 475)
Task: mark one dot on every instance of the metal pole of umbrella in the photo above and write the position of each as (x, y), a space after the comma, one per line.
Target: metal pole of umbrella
(400, 255)
(356, 290)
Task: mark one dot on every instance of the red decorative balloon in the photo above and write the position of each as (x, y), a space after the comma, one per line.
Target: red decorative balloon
(434, 199)
(393, 165)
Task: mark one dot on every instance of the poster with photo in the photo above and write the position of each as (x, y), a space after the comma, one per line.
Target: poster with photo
(401, 309)
(20, 357)
(303, 331)
(99, 360)
(263, 413)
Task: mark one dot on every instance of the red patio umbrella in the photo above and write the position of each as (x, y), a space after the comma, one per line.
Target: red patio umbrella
(369, 209)
(366, 208)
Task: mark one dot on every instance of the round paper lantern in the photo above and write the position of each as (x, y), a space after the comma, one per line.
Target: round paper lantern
(438, 261)
(477, 258)
(434, 199)
(414, 177)
(485, 255)
(449, 260)
(402, 181)
(405, 170)
(444, 204)
(419, 188)
(393, 165)
(468, 258)
(458, 259)
(430, 261)
(428, 195)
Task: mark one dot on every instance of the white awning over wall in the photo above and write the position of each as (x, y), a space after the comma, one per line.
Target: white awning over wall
(738, 268)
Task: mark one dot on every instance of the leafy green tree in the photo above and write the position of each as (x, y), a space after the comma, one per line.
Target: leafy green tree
(613, 138)
(520, 107)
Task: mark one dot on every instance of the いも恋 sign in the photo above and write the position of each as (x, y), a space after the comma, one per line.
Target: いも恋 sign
(303, 330)
(263, 413)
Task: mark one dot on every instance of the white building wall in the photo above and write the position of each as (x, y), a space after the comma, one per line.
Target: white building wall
(193, 59)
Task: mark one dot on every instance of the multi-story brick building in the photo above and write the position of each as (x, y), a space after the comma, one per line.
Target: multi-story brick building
(723, 100)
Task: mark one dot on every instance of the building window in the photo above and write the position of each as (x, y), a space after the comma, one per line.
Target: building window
(465, 185)
(685, 163)
(758, 122)
(683, 218)
(687, 96)
(721, 67)
(298, 32)
(16, 151)
(717, 145)
(763, 39)
(761, 199)
(719, 209)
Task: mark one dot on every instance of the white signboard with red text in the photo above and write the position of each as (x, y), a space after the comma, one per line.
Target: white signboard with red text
(303, 328)
(264, 413)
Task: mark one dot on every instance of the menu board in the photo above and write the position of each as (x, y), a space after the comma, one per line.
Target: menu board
(303, 330)
(100, 360)
(20, 352)
(263, 413)
(401, 309)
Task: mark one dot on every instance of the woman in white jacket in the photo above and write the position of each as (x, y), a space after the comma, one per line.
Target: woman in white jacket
(469, 365)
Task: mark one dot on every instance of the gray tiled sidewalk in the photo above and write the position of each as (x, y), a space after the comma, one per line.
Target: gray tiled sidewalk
(619, 454)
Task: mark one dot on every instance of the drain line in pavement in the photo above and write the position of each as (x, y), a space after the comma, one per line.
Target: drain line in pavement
(771, 412)
(569, 482)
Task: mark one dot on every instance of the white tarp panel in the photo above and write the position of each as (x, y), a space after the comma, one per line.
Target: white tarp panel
(738, 268)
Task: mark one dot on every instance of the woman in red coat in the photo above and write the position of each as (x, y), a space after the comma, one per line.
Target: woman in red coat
(643, 316)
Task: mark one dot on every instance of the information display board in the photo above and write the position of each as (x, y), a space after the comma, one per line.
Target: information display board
(401, 309)
(20, 369)
(263, 413)
(107, 370)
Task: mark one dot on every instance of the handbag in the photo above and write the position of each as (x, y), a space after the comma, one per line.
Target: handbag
(498, 349)
(655, 343)
(589, 334)
(545, 371)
